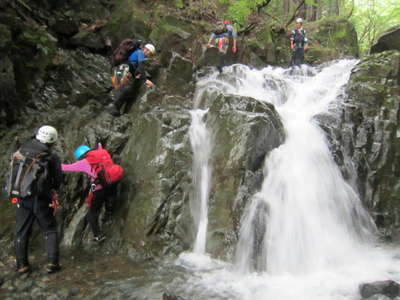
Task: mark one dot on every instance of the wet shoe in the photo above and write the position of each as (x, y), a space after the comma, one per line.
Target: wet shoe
(23, 270)
(52, 268)
(99, 239)
(112, 110)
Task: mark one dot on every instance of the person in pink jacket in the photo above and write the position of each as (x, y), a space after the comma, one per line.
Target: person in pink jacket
(97, 193)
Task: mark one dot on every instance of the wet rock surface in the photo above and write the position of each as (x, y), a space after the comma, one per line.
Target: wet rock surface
(387, 288)
(54, 70)
(84, 275)
(365, 138)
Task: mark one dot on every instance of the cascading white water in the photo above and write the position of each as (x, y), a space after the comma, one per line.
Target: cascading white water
(318, 241)
(200, 140)
(313, 218)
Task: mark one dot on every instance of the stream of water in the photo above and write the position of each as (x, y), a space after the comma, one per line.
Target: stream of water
(318, 242)
(200, 139)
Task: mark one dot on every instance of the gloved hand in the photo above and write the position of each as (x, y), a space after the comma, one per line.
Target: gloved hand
(55, 204)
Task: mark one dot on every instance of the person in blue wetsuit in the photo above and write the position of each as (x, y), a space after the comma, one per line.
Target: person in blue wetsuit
(138, 76)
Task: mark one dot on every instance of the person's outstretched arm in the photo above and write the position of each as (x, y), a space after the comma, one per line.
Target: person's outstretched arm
(79, 166)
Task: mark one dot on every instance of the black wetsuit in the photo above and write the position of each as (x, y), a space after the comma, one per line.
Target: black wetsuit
(299, 39)
(36, 208)
(107, 196)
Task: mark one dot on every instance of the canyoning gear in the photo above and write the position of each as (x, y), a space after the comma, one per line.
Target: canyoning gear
(298, 41)
(102, 170)
(35, 172)
(107, 171)
(121, 76)
(299, 20)
(136, 64)
(47, 135)
(221, 28)
(29, 171)
(52, 268)
(299, 37)
(80, 151)
(227, 22)
(124, 50)
(55, 204)
(298, 57)
(106, 196)
(90, 195)
(35, 210)
(151, 48)
(222, 44)
(99, 239)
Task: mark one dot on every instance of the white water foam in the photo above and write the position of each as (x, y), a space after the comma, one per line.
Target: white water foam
(200, 139)
(318, 241)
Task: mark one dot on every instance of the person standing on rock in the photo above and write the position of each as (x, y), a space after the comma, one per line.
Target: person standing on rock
(93, 162)
(35, 175)
(136, 77)
(298, 43)
(221, 35)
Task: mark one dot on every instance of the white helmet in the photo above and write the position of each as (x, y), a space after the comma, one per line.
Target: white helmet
(47, 135)
(151, 48)
(299, 20)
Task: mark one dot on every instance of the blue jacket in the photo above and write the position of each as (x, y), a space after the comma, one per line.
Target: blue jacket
(136, 63)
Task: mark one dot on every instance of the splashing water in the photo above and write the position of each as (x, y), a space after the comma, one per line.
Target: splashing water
(317, 241)
(312, 218)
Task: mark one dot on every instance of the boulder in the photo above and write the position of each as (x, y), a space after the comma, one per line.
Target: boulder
(390, 40)
(387, 288)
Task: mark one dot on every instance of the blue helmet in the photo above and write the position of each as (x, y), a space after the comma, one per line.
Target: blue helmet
(80, 151)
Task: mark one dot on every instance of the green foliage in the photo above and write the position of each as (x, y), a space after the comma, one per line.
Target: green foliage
(239, 10)
(39, 39)
(371, 18)
(179, 3)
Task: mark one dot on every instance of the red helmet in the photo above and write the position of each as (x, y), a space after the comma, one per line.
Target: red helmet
(227, 22)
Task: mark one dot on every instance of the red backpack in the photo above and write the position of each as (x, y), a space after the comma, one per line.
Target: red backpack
(107, 171)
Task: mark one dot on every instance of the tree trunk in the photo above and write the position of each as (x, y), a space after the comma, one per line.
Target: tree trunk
(286, 7)
(334, 8)
(302, 11)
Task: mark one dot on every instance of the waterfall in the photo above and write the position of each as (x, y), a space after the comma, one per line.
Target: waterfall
(311, 218)
(305, 234)
(200, 140)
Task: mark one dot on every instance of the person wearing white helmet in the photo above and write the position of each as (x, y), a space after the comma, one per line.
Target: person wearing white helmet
(298, 43)
(35, 175)
(138, 76)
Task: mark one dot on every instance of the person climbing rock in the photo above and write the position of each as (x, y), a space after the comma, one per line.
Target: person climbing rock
(223, 32)
(35, 176)
(298, 43)
(136, 76)
(104, 177)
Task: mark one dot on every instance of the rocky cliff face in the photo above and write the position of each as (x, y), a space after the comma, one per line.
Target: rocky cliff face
(366, 138)
(55, 71)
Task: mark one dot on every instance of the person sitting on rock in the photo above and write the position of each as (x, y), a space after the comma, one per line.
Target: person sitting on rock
(221, 35)
(137, 76)
(298, 43)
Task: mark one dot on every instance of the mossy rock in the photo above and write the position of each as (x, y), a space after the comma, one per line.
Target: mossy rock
(337, 36)
(127, 24)
(39, 43)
